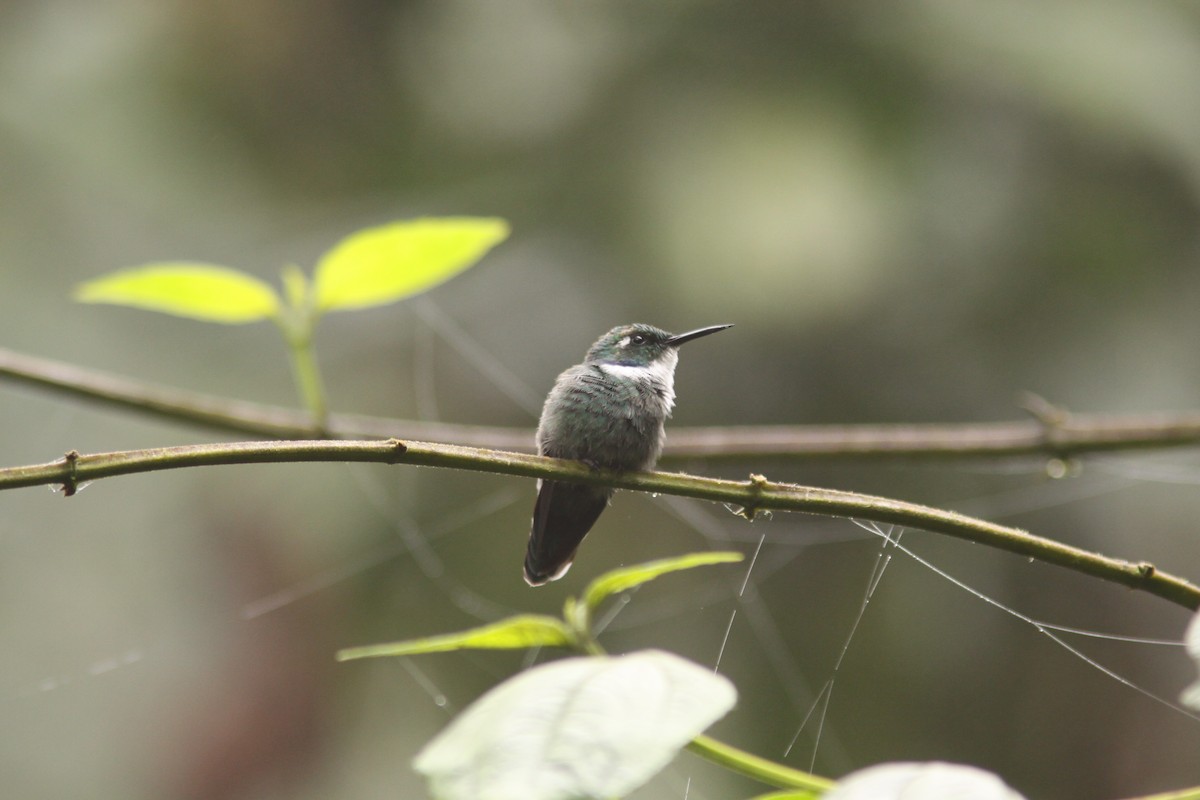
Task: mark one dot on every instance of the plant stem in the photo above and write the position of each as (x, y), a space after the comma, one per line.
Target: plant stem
(753, 766)
(308, 380)
(756, 494)
(1074, 435)
(1181, 794)
(297, 321)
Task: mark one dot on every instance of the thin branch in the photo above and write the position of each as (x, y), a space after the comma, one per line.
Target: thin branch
(1077, 435)
(753, 495)
(237, 416)
(1057, 435)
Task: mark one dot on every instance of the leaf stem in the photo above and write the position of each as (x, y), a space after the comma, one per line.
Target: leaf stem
(1181, 794)
(308, 380)
(756, 767)
(297, 321)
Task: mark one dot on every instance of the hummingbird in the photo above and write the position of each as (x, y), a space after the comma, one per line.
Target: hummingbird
(607, 412)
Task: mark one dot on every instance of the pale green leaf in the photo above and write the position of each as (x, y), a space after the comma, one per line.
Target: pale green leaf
(381, 265)
(787, 794)
(932, 780)
(618, 580)
(1191, 641)
(198, 291)
(514, 633)
(594, 727)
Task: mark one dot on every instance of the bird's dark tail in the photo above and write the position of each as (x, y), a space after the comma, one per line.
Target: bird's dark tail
(562, 516)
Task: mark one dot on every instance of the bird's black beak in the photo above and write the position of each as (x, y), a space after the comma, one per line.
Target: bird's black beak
(675, 341)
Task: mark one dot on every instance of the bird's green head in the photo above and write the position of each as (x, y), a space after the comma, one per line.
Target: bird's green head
(640, 345)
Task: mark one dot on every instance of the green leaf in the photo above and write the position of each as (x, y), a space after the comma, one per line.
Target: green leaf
(1191, 641)
(930, 780)
(385, 264)
(595, 727)
(786, 794)
(199, 291)
(514, 633)
(619, 580)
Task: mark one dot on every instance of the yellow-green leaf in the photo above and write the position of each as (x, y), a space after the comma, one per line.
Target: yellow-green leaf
(618, 580)
(198, 291)
(385, 264)
(514, 633)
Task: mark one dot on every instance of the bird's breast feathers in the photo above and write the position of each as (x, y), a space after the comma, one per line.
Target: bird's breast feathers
(658, 376)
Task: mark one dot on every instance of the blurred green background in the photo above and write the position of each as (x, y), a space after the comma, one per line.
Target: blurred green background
(911, 211)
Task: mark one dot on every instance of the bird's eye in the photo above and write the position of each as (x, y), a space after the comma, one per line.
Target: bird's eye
(637, 338)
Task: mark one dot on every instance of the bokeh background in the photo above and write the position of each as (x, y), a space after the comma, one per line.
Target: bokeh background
(912, 212)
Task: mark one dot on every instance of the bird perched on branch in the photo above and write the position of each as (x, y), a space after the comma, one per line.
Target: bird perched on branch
(607, 412)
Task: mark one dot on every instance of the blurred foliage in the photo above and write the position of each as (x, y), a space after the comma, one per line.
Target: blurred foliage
(912, 212)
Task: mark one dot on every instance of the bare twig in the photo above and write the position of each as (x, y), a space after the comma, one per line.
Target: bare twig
(1062, 436)
(236, 416)
(754, 494)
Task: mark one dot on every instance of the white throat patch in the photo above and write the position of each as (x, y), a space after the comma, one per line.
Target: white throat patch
(660, 375)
